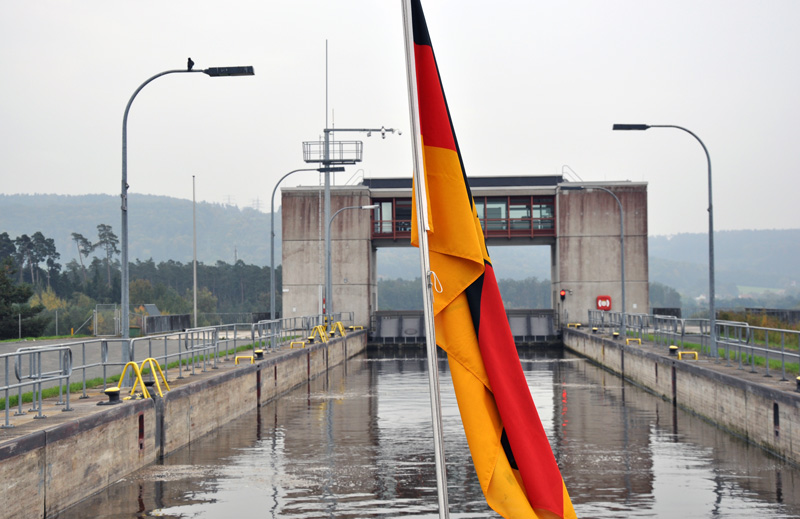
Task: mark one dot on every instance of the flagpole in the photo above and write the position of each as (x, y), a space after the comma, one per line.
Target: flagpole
(427, 289)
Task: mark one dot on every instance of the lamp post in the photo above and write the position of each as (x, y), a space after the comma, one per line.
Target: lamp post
(330, 284)
(194, 254)
(622, 328)
(211, 72)
(327, 161)
(712, 309)
(272, 243)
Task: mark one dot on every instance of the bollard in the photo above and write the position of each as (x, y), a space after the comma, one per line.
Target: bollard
(673, 350)
(594, 329)
(113, 396)
(615, 335)
(798, 385)
(259, 354)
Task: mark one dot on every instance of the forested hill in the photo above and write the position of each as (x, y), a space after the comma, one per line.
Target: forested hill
(159, 227)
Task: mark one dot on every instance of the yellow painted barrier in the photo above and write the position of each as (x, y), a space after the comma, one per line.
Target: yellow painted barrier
(630, 340)
(155, 366)
(353, 328)
(301, 343)
(337, 326)
(236, 360)
(692, 354)
(573, 325)
(319, 330)
(138, 380)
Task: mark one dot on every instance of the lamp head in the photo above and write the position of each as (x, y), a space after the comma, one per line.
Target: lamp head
(230, 71)
(630, 127)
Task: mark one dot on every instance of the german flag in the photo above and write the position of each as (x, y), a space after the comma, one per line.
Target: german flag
(512, 456)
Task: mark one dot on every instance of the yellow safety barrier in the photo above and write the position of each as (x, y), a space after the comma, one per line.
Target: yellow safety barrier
(138, 380)
(155, 366)
(353, 328)
(692, 354)
(236, 359)
(319, 330)
(573, 325)
(630, 340)
(301, 343)
(337, 326)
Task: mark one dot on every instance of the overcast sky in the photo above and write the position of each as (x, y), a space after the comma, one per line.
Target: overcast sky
(533, 88)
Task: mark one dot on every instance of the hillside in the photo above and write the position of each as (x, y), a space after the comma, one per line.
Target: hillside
(161, 229)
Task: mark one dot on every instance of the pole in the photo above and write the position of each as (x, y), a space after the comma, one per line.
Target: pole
(124, 208)
(211, 72)
(712, 341)
(194, 250)
(329, 300)
(427, 289)
(622, 329)
(327, 215)
(326, 163)
(272, 315)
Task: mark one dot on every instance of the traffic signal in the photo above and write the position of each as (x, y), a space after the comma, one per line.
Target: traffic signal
(563, 294)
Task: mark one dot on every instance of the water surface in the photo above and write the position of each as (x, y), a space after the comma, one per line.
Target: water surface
(356, 443)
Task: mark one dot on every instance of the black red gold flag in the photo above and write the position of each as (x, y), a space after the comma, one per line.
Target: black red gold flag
(510, 450)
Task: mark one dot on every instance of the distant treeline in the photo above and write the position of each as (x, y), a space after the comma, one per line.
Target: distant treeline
(36, 289)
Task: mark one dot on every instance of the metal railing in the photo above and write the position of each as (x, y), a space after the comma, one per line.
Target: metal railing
(33, 367)
(751, 347)
(44, 367)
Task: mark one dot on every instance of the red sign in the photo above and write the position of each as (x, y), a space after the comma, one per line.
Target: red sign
(604, 303)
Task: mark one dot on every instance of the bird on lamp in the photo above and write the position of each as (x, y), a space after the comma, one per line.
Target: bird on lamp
(189, 64)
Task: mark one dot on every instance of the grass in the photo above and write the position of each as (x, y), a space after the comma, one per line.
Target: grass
(47, 338)
(77, 387)
(747, 360)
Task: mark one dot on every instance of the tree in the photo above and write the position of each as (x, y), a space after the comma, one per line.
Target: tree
(108, 241)
(45, 250)
(15, 312)
(24, 254)
(84, 249)
(7, 247)
(663, 296)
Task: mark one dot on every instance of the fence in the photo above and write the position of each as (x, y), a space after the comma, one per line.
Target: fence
(99, 361)
(751, 347)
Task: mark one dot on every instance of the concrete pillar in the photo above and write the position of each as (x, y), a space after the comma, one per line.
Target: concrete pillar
(589, 253)
(303, 255)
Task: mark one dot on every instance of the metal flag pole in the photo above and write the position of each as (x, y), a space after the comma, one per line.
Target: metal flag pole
(427, 289)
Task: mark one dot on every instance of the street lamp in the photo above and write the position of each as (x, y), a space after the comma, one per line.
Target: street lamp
(711, 306)
(338, 155)
(330, 284)
(211, 72)
(622, 328)
(272, 243)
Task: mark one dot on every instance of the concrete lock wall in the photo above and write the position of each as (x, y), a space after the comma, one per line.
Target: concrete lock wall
(767, 417)
(49, 470)
(588, 252)
(304, 254)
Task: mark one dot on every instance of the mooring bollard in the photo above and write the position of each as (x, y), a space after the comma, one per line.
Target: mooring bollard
(113, 396)
(673, 350)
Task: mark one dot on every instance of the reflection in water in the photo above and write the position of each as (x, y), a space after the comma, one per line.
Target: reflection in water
(357, 443)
